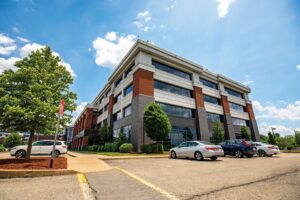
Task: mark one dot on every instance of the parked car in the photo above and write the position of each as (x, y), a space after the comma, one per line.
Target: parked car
(197, 150)
(238, 148)
(41, 147)
(266, 149)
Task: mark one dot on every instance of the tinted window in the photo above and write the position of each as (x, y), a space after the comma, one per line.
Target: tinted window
(117, 83)
(106, 93)
(206, 143)
(234, 93)
(172, 89)
(235, 106)
(38, 143)
(238, 122)
(209, 83)
(127, 111)
(212, 117)
(184, 144)
(171, 70)
(118, 98)
(128, 90)
(100, 112)
(128, 70)
(192, 144)
(177, 111)
(117, 116)
(211, 99)
(106, 107)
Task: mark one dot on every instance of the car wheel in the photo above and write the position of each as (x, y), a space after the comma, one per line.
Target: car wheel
(20, 154)
(249, 156)
(214, 158)
(238, 154)
(261, 153)
(173, 154)
(198, 156)
(56, 153)
(270, 155)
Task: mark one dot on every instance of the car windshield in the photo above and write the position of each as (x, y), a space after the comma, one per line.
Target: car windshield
(206, 143)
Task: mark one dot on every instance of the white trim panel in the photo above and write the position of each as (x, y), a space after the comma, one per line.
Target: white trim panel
(172, 79)
(236, 100)
(240, 115)
(212, 108)
(211, 92)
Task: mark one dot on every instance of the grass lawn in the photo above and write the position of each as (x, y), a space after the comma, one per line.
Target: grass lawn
(124, 154)
(291, 151)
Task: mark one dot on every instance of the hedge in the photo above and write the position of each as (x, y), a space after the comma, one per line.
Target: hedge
(126, 148)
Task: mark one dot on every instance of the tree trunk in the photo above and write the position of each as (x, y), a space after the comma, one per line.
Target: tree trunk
(29, 146)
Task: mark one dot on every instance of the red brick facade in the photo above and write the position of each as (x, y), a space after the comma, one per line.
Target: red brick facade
(249, 110)
(225, 104)
(198, 95)
(110, 104)
(143, 83)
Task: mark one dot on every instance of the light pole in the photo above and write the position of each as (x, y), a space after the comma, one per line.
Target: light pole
(273, 130)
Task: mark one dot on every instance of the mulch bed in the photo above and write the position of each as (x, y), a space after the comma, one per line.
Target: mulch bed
(33, 163)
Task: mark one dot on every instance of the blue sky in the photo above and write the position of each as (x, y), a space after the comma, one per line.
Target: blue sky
(254, 42)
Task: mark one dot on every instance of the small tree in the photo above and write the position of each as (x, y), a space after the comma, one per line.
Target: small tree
(297, 138)
(12, 140)
(264, 138)
(244, 133)
(122, 138)
(156, 123)
(187, 134)
(271, 138)
(217, 132)
(104, 133)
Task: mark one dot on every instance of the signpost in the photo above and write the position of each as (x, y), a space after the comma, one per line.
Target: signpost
(60, 114)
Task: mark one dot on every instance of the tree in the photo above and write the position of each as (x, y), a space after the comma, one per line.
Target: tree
(30, 96)
(271, 138)
(122, 138)
(297, 138)
(156, 123)
(104, 133)
(217, 132)
(187, 134)
(244, 133)
(264, 138)
(12, 140)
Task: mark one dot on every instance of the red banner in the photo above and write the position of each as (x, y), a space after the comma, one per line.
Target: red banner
(61, 107)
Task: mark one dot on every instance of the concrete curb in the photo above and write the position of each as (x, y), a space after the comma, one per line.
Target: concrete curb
(133, 157)
(34, 173)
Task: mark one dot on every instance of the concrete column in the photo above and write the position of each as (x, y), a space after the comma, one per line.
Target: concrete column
(229, 130)
(142, 96)
(110, 120)
(253, 125)
(201, 119)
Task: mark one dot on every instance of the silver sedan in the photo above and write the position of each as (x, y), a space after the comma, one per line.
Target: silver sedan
(197, 149)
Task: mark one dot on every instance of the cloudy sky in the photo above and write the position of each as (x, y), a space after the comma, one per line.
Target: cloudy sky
(254, 42)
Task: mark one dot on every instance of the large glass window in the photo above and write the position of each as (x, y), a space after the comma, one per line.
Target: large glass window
(128, 70)
(177, 111)
(238, 122)
(127, 131)
(127, 111)
(209, 83)
(234, 93)
(128, 90)
(212, 117)
(171, 70)
(172, 89)
(106, 93)
(235, 106)
(118, 98)
(117, 116)
(117, 83)
(211, 99)
(106, 107)
(180, 134)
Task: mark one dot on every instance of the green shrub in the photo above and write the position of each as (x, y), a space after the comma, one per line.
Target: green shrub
(157, 148)
(110, 147)
(126, 148)
(90, 148)
(12, 140)
(146, 148)
(2, 148)
(100, 148)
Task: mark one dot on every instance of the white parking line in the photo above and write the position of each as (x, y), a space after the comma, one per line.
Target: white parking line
(156, 188)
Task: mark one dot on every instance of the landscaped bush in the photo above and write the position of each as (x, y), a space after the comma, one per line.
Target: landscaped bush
(2, 148)
(110, 147)
(12, 140)
(146, 148)
(126, 148)
(100, 148)
(90, 148)
(156, 148)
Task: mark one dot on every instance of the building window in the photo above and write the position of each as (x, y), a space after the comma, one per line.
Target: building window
(106, 93)
(180, 134)
(117, 116)
(238, 122)
(209, 83)
(127, 131)
(238, 107)
(100, 101)
(212, 117)
(211, 99)
(128, 70)
(234, 93)
(117, 83)
(116, 133)
(172, 89)
(171, 70)
(106, 107)
(177, 111)
(127, 111)
(100, 112)
(128, 90)
(118, 98)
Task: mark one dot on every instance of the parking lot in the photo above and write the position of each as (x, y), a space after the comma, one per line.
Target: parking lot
(227, 178)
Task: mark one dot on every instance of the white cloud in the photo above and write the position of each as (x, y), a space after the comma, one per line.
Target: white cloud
(138, 24)
(28, 48)
(109, 53)
(144, 15)
(298, 67)
(78, 110)
(7, 45)
(6, 64)
(142, 20)
(289, 112)
(146, 28)
(111, 36)
(264, 128)
(23, 39)
(247, 81)
(223, 6)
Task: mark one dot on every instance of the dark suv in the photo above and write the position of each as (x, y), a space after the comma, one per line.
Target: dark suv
(239, 148)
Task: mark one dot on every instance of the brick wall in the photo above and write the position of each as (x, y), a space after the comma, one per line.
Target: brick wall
(143, 83)
(225, 104)
(198, 95)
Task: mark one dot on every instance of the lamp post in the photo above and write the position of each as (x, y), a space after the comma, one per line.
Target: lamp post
(273, 130)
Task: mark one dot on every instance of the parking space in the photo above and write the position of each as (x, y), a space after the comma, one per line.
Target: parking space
(229, 176)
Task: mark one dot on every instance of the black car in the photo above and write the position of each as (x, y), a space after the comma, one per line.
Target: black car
(239, 148)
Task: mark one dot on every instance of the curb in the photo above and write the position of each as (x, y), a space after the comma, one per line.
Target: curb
(71, 155)
(34, 173)
(133, 157)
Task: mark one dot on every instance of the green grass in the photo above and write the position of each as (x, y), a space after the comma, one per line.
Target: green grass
(291, 151)
(123, 154)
